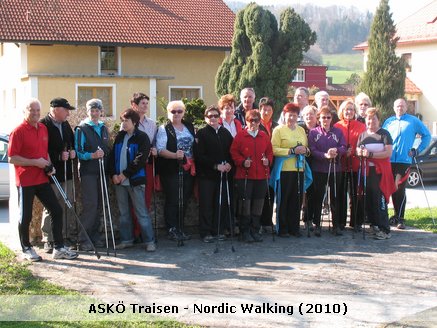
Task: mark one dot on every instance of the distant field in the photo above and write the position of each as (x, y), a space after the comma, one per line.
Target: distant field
(353, 62)
(340, 77)
(341, 66)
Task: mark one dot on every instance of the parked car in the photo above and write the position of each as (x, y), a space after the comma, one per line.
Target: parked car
(4, 167)
(427, 163)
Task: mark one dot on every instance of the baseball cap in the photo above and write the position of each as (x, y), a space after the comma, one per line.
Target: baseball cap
(61, 102)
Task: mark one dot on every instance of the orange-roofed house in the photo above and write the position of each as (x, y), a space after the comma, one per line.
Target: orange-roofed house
(110, 49)
(418, 46)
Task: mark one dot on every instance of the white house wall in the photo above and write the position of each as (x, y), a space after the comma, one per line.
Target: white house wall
(424, 75)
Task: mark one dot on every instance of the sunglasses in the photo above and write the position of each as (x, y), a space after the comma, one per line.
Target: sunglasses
(213, 116)
(179, 111)
(325, 117)
(253, 120)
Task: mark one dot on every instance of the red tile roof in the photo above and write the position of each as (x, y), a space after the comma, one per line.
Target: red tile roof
(162, 23)
(411, 88)
(419, 27)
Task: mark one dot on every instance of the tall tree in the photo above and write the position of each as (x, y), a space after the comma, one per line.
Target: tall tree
(263, 55)
(384, 79)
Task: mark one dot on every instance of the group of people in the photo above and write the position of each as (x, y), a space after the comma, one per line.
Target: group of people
(244, 162)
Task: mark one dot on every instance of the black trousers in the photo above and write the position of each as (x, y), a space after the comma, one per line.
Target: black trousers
(46, 195)
(171, 184)
(291, 202)
(399, 197)
(209, 201)
(376, 206)
(349, 187)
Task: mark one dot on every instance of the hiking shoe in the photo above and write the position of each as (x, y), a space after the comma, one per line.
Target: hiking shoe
(257, 237)
(184, 236)
(401, 224)
(393, 221)
(151, 247)
(247, 237)
(381, 235)
(64, 253)
(124, 245)
(48, 247)
(221, 237)
(29, 254)
(85, 247)
(374, 230)
(318, 231)
(173, 234)
(208, 239)
(311, 227)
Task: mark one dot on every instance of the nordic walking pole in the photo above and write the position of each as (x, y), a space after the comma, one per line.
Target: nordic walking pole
(335, 199)
(181, 202)
(423, 187)
(73, 186)
(108, 204)
(230, 213)
(154, 199)
(357, 196)
(299, 195)
(268, 196)
(326, 193)
(65, 190)
(219, 212)
(103, 207)
(364, 194)
(67, 202)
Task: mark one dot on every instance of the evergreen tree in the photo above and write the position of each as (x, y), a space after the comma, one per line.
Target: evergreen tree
(384, 80)
(263, 55)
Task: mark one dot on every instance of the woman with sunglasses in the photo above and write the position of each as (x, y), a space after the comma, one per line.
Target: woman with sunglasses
(252, 153)
(174, 143)
(213, 164)
(290, 144)
(327, 144)
(351, 129)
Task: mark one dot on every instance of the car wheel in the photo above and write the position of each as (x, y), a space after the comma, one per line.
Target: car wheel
(413, 179)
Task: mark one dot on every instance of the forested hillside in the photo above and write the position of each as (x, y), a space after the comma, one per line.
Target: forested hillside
(338, 28)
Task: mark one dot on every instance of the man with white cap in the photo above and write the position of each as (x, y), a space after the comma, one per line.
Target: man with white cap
(92, 144)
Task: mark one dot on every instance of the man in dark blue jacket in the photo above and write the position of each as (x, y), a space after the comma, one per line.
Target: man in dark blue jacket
(126, 164)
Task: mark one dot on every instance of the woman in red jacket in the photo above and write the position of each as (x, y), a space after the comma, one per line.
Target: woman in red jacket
(251, 152)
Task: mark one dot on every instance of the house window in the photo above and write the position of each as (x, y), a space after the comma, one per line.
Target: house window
(407, 60)
(104, 93)
(189, 92)
(299, 75)
(108, 60)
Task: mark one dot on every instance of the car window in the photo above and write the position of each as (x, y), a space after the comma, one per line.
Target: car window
(3, 152)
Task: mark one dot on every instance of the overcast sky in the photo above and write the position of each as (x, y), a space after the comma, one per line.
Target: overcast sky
(399, 8)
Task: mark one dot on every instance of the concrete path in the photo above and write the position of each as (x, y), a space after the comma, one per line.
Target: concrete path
(373, 282)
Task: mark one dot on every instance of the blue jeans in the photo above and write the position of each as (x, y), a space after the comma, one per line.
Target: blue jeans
(136, 195)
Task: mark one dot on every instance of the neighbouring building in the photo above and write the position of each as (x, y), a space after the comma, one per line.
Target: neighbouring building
(418, 46)
(109, 49)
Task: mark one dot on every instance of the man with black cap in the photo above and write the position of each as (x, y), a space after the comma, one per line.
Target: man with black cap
(28, 151)
(92, 145)
(61, 152)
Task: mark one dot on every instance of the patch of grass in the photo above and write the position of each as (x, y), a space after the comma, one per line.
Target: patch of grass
(351, 62)
(419, 218)
(96, 324)
(340, 77)
(17, 279)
